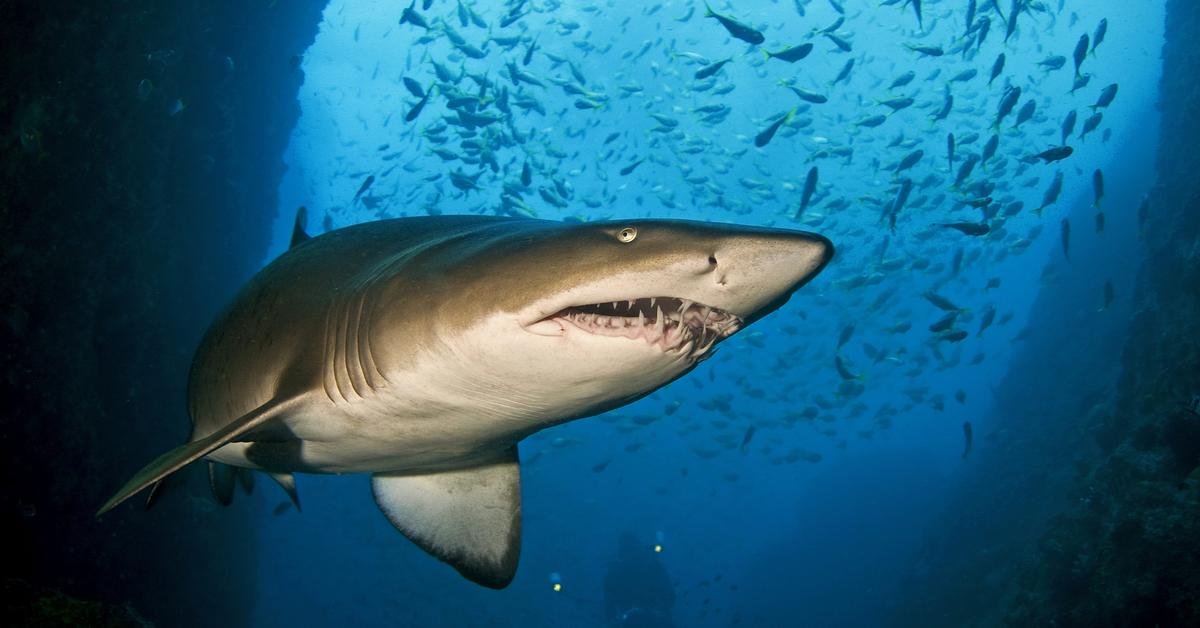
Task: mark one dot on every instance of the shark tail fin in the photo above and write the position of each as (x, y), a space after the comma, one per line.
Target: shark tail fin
(299, 235)
(186, 453)
(469, 518)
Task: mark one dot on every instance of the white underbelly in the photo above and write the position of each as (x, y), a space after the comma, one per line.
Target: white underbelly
(370, 437)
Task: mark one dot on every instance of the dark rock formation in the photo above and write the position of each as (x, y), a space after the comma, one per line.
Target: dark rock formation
(1085, 507)
(1127, 553)
(125, 224)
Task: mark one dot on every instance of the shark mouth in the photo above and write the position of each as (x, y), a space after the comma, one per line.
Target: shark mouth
(666, 322)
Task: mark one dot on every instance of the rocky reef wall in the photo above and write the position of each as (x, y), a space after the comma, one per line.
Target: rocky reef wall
(1126, 552)
(141, 145)
(1083, 507)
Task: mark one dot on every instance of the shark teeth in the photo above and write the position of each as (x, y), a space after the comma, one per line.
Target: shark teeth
(674, 325)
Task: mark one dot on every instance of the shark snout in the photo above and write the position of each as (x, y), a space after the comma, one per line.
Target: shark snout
(757, 273)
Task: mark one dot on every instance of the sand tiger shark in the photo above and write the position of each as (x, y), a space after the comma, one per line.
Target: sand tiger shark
(422, 350)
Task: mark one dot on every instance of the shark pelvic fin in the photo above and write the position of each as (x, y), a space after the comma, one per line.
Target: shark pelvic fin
(299, 235)
(165, 485)
(287, 482)
(221, 478)
(469, 518)
(177, 458)
(152, 494)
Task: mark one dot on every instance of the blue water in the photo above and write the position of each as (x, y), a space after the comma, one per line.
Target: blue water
(817, 519)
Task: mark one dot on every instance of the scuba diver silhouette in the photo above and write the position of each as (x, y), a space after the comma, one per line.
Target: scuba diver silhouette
(638, 592)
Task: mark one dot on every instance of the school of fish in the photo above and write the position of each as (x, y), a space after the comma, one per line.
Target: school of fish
(956, 147)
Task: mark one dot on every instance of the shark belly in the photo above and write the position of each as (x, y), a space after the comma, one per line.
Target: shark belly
(443, 412)
(365, 438)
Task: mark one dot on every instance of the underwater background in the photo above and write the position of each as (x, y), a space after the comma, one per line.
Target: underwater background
(981, 413)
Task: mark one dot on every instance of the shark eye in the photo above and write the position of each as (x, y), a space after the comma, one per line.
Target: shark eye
(627, 234)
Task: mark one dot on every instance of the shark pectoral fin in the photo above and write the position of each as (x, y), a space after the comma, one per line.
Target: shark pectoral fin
(287, 482)
(177, 458)
(469, 518)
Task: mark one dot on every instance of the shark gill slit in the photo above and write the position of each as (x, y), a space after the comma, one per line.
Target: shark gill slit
(366, 361)
(339, 352)
(353, 309)
(327, 377)
(375, 376)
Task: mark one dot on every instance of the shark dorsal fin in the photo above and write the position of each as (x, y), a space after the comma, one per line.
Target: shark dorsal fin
(469, 518)
(300, 236)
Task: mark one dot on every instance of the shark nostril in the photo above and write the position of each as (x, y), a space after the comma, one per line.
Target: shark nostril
(712, 260)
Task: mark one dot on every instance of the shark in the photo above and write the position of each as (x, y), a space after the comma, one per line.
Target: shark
(422, 350)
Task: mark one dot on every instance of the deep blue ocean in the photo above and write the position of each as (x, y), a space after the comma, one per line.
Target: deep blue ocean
(911, 440)
(814, 516)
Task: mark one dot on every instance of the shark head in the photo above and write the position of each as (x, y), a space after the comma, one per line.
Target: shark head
(580, 318)
(708, 279)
